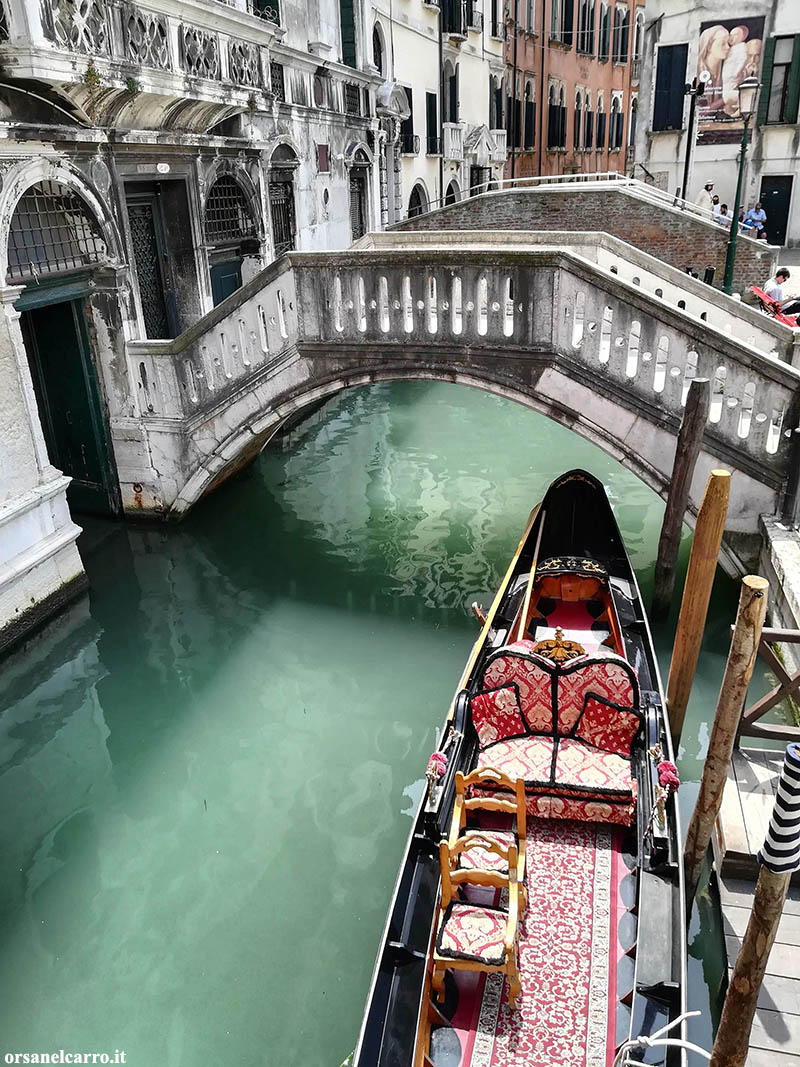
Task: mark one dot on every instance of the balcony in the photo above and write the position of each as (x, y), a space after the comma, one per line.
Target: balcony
(409, 144)
(124, 65)
(500, 153)
(453, 142)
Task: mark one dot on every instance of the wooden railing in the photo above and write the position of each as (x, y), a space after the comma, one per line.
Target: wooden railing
(787, 687)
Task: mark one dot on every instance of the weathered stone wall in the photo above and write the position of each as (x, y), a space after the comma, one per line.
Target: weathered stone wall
(675, 237)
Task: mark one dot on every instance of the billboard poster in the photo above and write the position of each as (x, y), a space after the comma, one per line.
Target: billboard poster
(729, 51)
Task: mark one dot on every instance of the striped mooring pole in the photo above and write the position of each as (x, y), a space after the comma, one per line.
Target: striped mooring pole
(779, 859)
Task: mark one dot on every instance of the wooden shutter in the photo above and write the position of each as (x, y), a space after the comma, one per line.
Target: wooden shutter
(567, 21)
(766, 79)
(431, 123)
(670, 85)
(348, 32)
(793, 88)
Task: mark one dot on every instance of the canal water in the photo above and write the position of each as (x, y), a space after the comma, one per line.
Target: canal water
(209, 765)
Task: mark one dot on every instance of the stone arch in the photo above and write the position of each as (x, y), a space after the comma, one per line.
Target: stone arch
(418, 201)
(453, 194)
(249, 193)
(23, 176)
(358, 154)
(379, 56)
(255, 431)
(283, 153)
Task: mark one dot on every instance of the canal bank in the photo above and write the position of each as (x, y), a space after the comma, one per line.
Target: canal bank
(209, 765)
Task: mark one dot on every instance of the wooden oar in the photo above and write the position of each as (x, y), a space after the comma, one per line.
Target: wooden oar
(527, 603)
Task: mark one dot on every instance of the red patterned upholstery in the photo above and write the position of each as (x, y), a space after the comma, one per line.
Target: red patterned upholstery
(496, 715)
(480, 859)
(532, 675)
(529, 758)
(620, 813)
(607, 726)
(580, 765)
(472, 932)
(610, 677)
(590, 777)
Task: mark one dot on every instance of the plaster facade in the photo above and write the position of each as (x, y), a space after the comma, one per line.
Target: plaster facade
(567, 65)
(772, 166)
(439, 137)
(151, 161)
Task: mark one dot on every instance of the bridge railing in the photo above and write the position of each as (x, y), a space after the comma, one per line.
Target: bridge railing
(543, 306)
(250, 331)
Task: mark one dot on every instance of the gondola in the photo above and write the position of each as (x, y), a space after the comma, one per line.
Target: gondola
(538, 914)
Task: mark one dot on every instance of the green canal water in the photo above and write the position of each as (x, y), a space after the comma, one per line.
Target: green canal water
(209, 765)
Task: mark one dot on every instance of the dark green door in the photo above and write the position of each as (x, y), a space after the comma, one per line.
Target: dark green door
(65, 384)
(226, 278)
(776, 192)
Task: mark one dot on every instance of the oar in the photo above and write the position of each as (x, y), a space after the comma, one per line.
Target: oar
(529, 590)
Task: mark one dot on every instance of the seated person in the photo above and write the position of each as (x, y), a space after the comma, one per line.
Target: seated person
(774, 290)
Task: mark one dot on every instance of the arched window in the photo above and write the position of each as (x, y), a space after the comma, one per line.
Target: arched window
(615, 126)
(228, 219)
(417, 202)
(451, 196)
(552, 119)
(578, 124)
(632, 123)
(638, 46)
(588, 124)
(377, 48)
(605, 35)
(562, 119)
(52, 230)
(281, 199)
(601, 124)
(530, 113)
(450, 110)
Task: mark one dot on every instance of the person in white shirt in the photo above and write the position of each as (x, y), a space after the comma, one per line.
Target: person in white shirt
(724, 218)
(715, 206)
(774, 290)
(704, 197)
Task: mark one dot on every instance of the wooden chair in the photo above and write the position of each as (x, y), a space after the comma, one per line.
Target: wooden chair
(511, 801)
(476, 937)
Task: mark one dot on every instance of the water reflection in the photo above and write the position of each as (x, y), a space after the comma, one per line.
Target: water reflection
(208, 768)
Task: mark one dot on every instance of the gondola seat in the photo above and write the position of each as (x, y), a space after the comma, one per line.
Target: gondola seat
(567, 729)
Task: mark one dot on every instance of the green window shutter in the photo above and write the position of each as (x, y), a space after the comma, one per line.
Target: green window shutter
(348, 33)
(793, 88)
(766, 80)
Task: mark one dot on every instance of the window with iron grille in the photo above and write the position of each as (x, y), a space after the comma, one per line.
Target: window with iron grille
(352, 99)
(281, 204)
(228, 217)
(52, 230)
(276, 81)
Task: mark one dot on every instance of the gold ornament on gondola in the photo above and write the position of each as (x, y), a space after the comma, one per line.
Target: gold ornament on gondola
(559, 650)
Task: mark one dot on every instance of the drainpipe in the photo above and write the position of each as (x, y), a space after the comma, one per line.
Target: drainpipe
(514, 131)
(441, 108)
(541, 86)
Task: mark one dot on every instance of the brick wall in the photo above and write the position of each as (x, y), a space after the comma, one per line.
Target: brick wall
(676, 237)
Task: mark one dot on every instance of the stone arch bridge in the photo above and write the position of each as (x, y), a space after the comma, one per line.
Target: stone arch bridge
(582, 327)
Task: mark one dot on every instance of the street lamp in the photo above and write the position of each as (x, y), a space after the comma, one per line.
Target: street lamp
(748, 91)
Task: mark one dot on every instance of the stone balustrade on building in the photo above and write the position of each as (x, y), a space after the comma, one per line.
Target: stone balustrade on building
(453, 141)
(168, 48)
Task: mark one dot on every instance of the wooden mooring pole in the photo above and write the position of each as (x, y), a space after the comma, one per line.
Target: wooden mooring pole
(779, 858)
(696, 594)
(738, 672)
(690, 439)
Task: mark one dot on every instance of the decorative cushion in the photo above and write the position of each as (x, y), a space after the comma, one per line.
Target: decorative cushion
(608, 676)
(529, 758)
(496, 715)
(607, 726)
(481, 859)
(578, 765)
(473, 933)
(532, 675)
(619, 813)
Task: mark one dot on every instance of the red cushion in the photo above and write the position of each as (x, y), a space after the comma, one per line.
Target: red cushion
(529, 758)
(607, 726)
(496, 715)
(532, 674)
(609, 677)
